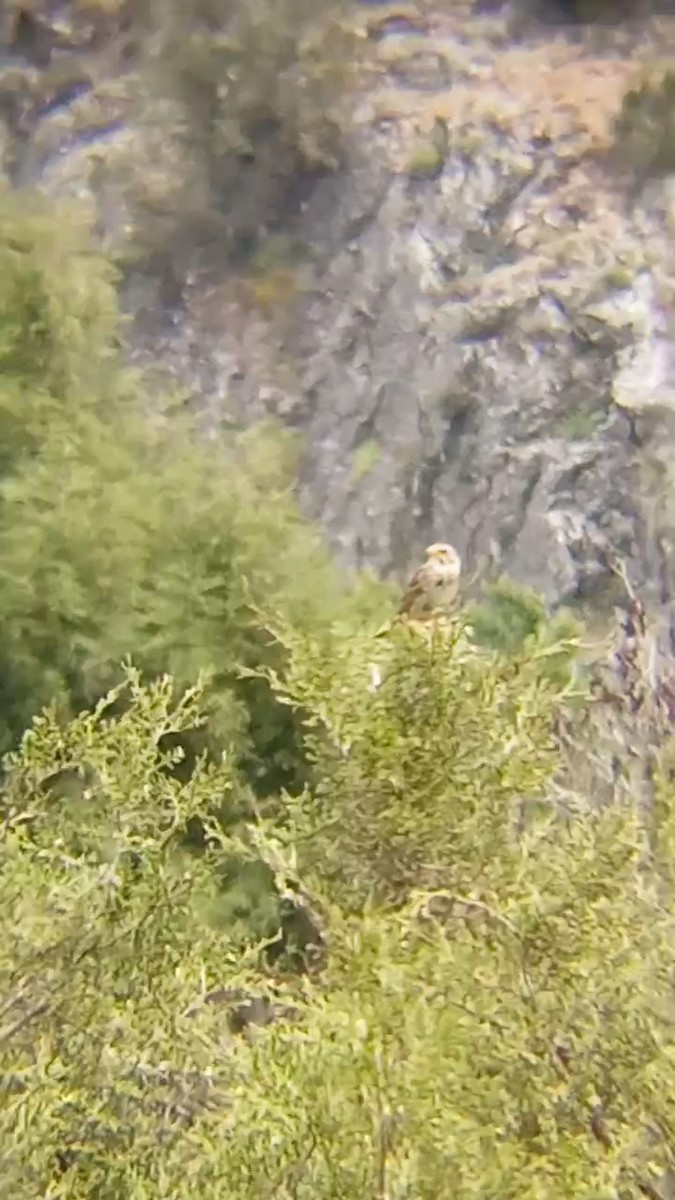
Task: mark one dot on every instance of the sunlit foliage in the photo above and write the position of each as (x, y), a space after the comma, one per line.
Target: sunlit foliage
(121, 533)
(503, 1020)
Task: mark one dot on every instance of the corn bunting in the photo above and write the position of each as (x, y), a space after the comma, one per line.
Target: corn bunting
(435, 585)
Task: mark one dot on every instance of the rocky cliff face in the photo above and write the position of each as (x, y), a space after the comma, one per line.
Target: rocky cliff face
(469, 322)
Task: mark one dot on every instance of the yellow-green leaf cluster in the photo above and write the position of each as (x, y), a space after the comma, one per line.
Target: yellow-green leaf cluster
(506, 1032)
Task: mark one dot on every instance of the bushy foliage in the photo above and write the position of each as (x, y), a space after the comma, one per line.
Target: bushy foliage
(236, 66)
(255, 95)
(645, 127)
(58, 324)
(508, 1030)
(513, 618)
(121, 533)
(100, 908)
(388, 726)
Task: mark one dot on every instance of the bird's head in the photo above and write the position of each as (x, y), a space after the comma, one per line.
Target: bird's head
(445, 555)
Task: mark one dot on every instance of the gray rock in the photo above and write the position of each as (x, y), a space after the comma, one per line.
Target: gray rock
(485, 375)
(480, 352)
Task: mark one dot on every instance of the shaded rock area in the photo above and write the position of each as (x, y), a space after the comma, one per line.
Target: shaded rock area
(470, 322)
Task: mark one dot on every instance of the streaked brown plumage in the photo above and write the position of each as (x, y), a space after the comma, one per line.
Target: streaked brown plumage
(434, 587)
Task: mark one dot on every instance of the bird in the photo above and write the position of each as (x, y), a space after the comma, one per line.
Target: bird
(434, 587)
(432, 590)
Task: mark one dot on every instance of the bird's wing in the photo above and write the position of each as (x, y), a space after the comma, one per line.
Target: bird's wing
(418, 586)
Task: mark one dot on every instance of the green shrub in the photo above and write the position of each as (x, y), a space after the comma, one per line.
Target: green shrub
(121, 533)
(100, 956)
(645, 127)
(512, 618)
(256, 95)
(423, 732)
(58, 324)
(237, 66)
(509, 1029)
